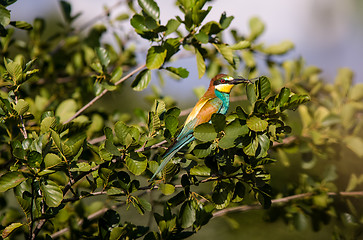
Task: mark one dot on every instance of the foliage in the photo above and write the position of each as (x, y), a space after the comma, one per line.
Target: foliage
(54, 154)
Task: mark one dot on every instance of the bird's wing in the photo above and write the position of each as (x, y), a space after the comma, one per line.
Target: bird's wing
(201, 113)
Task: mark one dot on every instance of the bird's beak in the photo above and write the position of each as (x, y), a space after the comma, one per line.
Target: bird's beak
(242, 80)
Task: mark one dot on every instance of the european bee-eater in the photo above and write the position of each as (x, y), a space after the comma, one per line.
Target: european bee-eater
(214, 100)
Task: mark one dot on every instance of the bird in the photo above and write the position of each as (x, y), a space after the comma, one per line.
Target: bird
(214, 100)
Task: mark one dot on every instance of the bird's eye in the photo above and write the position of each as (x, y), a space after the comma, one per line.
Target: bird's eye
(223, 80)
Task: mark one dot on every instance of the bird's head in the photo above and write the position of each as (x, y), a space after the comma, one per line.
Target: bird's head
(224, 83)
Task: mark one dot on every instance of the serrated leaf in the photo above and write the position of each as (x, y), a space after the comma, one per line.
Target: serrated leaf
(166, 188)
(21, 25)
(142, 80)
(9, 229)
(150, 8)
(15, 71)
(256, 124)
(264, 87)
(205, 132)
(47, 123)
(283, 97)
(10, 180)
(200, 63)
(51, 160)
(155, 57)
(103, 56)
(136, 163)
(280, 48)
(256, 27)
(21, 107)
(200, 170)
(52, 193)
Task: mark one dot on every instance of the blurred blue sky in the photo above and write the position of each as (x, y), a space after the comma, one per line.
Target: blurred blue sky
(327, 33)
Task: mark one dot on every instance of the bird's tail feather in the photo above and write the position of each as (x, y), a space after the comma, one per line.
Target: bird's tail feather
(171, 152)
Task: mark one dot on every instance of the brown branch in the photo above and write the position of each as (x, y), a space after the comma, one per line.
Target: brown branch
(283, 200)
(90, 103)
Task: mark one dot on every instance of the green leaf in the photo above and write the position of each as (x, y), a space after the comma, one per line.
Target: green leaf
(166, 188)
(21, 25)
(256, 27)
(4, 16)
(150, 8)
(225, 21)
(250, 146)
(200, 170)
(264, 87)
(10, 180)
(218, 121)
(52, 193)
(187, 214)
(136, 163)
(47, 123)
(211, 28)
(248, 58)
(66, 109)
(9, 229)
(355, 144)
(103, 56)
(171, 123)
(142, 80)
(251, 93)
(202, 37)
(171, 26)
(241, 45)
(15, 71)
(232, 132)
(155, 57)
(51, 160)
(283, 97)
(21, 107)
(205, 132)
(222, 194)
(200, 63)
(34, 159)
(226, 52)
(111, 148)
(256, 124)
(356, 92)
(280, 48)
(116, 74)
(138, 22)
(181, 72)
(264, 143)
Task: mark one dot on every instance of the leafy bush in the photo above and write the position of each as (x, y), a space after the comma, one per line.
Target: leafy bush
(58, 150)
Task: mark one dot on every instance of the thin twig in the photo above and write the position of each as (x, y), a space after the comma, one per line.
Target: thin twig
(90, 103)
(283, 200)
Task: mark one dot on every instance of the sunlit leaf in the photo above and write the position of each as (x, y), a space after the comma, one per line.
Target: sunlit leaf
(142, 80)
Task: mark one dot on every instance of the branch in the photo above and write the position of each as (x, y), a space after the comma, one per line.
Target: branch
(283, 200)
(103, 93)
